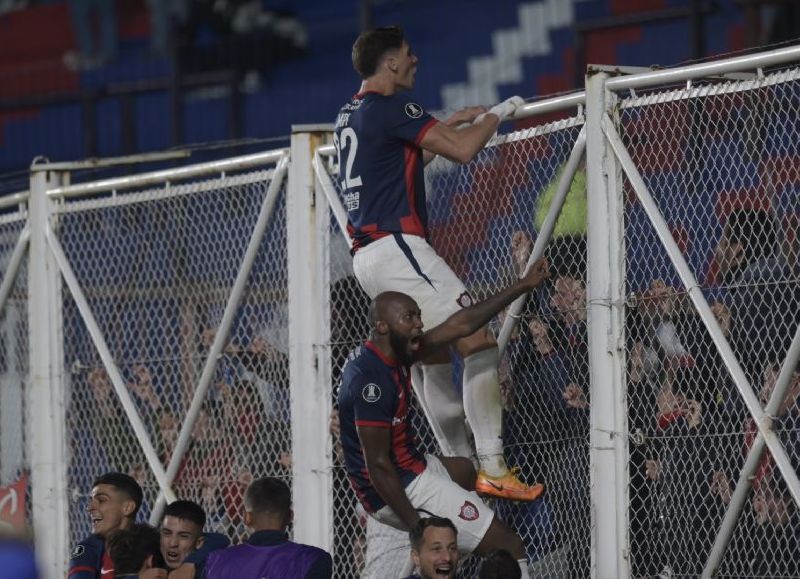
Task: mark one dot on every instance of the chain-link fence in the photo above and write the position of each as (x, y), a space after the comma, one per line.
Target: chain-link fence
(157, 268)
(721, 162)
(150, 276)
(484, 217)
(14, 371)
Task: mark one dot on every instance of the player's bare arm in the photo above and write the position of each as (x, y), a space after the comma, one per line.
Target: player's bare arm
(461, 117)
(460, 145)
(471, 319)
(376, 442)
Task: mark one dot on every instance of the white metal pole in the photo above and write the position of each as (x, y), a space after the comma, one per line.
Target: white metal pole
(763, 421)
(564, 184)
(745, 481)
(128, 405)
(310, 394)
(10, 275)
(605, 243)
(329, 191)
(45, 422)
(215, 352)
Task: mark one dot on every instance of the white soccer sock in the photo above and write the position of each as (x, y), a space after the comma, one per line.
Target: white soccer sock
(447, 408)
(523, 566)
(483, 408)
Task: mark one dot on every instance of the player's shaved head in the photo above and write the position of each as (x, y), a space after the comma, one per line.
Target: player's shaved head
(381, 308)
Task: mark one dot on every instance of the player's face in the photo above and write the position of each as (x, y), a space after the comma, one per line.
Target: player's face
(406, 67)
(405, 330)
(179, 538)
(108, 509)
(438, 555)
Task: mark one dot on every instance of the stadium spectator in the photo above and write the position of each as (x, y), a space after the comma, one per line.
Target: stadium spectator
(114, 501)
(94, 23)
(183, 542)
(135, 552)
(434, 548)
(383, 140)
(390, 475)
(268, 551)
(764, 293)
(499, 565)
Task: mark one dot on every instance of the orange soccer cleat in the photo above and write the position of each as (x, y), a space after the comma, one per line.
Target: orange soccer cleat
(507, 486)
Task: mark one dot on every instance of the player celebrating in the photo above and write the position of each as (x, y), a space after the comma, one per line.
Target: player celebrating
(392, 478)
(383, 139)
(114, 501)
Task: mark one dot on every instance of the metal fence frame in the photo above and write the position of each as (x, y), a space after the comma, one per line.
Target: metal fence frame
(309, 195)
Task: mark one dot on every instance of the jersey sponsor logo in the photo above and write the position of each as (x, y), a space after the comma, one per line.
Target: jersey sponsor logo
(414, 111)
(371, 393)
(77, 552)
(464, 300)
(469, 512)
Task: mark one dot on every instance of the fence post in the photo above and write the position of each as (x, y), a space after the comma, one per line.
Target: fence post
(605, 321)
(46, 400)
(308, 225)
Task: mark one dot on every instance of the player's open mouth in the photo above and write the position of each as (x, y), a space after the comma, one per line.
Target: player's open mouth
(172, 556)
(413, 343)
(443, 570)
(96, 521)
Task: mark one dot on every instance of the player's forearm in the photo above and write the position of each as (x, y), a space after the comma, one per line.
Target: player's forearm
(387, 483)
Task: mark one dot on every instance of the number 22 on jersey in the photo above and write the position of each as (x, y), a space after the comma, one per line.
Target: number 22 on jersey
(347, 147)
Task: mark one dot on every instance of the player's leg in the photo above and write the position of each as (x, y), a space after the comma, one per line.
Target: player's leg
(484, 410)
(390, 264)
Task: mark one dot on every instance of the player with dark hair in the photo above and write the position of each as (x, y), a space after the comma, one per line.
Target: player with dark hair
(113, 503)
(183, 542)
(499, 565)
(391, 477)
(434, 548)
(136, 550)
(268, 552)
(383, 139)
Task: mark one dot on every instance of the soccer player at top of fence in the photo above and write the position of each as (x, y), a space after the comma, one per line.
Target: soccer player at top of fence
(392, 478)
(383, 138)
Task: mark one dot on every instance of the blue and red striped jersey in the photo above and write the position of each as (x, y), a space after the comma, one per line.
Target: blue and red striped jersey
(377, 139)
(377, 392)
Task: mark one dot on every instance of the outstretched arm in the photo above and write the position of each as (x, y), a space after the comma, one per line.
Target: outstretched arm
(463, 144)
(461, 117)
(469, 320)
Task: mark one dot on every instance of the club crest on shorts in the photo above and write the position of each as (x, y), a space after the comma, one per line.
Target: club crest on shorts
(464, 300)
(371, 392)
(413, 110)
(77, 551)
(468, 512)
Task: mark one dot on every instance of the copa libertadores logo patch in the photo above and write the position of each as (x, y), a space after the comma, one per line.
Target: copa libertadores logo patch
(413, 110)
(371, 393)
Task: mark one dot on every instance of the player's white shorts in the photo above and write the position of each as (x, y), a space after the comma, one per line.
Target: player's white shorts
(407, 264)
(435, 493)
